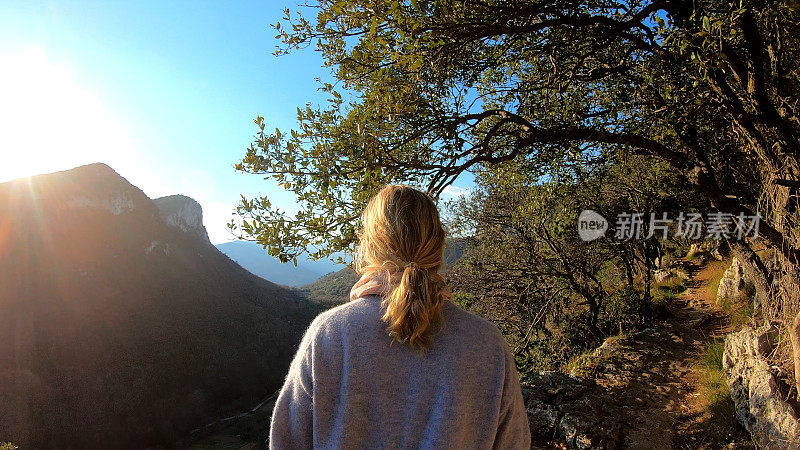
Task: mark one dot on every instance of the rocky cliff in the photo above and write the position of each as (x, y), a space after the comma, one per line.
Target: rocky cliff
(763, 403)
(183, 213)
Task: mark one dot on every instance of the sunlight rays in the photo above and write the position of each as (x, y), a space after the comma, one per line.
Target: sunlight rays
(49, 120)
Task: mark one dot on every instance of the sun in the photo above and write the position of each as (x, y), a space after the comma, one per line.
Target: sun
(49, 119)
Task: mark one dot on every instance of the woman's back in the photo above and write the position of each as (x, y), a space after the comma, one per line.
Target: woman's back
(401, 366)
(352, 386)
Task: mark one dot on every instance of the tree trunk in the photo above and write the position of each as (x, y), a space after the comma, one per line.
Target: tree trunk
(794, 335)
(754, 270)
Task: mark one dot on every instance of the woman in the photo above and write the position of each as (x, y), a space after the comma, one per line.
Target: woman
(400, 365)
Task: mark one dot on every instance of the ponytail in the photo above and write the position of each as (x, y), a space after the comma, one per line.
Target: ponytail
(414, 306)
(403, 240)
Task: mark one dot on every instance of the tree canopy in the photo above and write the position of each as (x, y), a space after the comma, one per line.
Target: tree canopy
(426, 90)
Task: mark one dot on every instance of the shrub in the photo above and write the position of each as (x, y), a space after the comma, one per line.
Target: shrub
(625, 309)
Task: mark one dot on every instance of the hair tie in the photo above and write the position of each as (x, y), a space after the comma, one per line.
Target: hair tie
(412, 265)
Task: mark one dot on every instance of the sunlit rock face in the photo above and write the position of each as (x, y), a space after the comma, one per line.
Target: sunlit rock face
(759, 395)
(182, 212)
(118, 203)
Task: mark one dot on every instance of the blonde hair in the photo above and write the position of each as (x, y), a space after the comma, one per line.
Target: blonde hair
(402, 241)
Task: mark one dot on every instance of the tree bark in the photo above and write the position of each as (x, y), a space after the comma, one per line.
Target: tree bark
(794, 335)
(754, 270)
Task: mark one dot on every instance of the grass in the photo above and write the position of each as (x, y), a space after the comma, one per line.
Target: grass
(740, 311)
(711, 356)
(664, 293)
(716, 394)
(713, 283)
(582, 365)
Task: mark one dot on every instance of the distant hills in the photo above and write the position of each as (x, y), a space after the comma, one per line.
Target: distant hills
(324, 281)
(254, 258)
(334, 288)
(121, 325)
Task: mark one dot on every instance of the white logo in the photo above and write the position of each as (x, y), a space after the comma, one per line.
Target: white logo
(591, 225)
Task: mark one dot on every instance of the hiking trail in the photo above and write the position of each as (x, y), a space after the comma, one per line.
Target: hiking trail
(653, 375)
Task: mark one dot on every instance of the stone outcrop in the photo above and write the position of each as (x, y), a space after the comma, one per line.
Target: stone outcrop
(732, 284)
(117, 203)
(757, 393)
(665, 275)
(709, 249)
(571, 411)
(184, 213)
(101, 188)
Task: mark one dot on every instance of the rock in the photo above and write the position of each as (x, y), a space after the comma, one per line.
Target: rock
(184, 213)
(102, 188)
(732, 283)
(756, 392)
(694, 249)
(571, 411)
(682, 274)
(157, 247)
(661, 275)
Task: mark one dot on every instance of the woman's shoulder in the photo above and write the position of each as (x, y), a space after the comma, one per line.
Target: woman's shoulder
(472, 324)
(358, 318)
(345, 314)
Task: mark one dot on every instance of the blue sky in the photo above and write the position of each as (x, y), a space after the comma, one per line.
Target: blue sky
(164, 92)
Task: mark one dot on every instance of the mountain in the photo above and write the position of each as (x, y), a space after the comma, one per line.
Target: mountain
(258, 261)
(120, 324)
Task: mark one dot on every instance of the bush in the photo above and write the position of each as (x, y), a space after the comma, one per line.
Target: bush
(463, 300)
(625, 309)
(567, 339)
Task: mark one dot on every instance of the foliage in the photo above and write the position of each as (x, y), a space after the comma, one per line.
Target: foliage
(553, 294)
(331, 289)
(526, 269)
(626, 309)
(585, 364)
(741, 310)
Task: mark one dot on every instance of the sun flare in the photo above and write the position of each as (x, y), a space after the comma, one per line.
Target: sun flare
(49, 119)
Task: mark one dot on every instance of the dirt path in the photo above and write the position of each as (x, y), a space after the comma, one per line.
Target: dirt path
(653, 374)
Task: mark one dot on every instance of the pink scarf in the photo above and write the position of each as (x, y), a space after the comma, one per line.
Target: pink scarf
(373, 284)
(368, 284)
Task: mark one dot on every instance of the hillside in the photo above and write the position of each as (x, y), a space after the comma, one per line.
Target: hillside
(122, 324)
(258, 261)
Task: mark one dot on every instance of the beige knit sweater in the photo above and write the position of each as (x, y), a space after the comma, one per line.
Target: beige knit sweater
(351, 386)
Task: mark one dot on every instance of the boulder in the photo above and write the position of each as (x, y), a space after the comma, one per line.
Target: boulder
(661, 275)
(571, 411)
(694, 249)
(757, 393)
